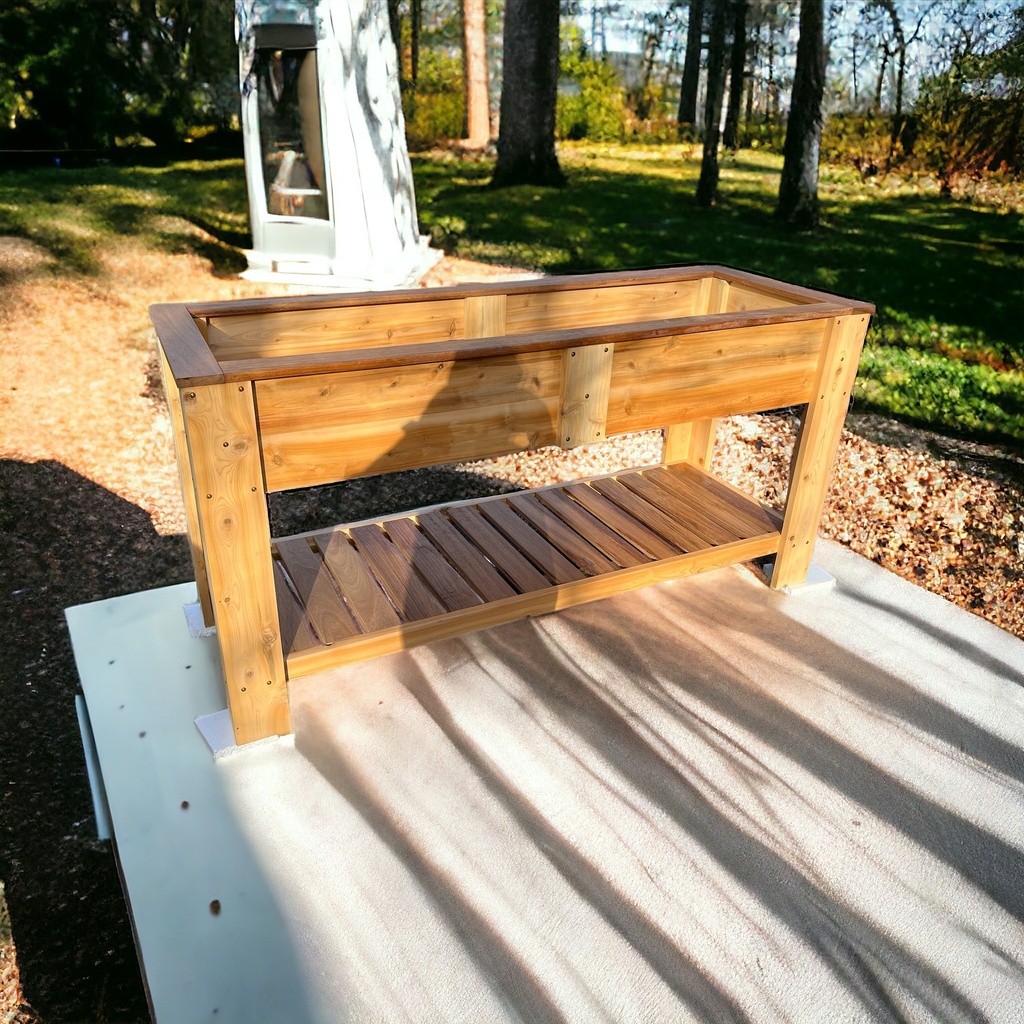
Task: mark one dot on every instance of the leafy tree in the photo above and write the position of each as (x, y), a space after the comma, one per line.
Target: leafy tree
(798, 186)
(526, 135)
(707, 186)
(971, 115)
(737, 66)
(687, 115)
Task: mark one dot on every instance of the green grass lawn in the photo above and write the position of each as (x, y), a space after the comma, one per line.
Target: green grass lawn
(946, 349)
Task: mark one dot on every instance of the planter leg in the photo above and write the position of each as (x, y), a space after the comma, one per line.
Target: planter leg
(816, 447)
(220, 423)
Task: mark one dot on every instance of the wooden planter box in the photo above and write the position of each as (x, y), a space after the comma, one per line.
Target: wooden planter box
(269, 395)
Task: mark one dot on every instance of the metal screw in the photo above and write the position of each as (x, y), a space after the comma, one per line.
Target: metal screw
(225, 444)
(209, 495)
(254, 488)
(567, 439)
(270, 682)
(243, 689)
(191, 394)
(240, 388)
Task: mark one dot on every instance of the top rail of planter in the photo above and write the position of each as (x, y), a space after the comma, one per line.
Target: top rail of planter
(261, 339)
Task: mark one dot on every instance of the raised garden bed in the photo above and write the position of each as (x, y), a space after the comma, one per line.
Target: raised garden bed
(270, 395)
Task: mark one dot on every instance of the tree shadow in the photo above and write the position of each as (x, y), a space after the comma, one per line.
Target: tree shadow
(65, 541)
(661, 722)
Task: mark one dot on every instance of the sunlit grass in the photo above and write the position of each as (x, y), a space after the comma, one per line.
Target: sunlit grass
(946, 348)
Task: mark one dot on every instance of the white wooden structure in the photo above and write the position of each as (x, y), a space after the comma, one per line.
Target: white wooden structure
(331, 195)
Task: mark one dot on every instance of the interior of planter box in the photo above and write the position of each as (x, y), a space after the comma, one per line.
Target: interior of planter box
(487, 312)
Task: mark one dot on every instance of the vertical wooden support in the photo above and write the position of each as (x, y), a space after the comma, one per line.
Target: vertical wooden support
(484, 316)
(816, 447)
(220, 423)
(690, 442)
(583, 405)
(695, 442)
(188, 490)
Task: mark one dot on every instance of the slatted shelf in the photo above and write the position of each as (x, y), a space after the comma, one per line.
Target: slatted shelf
(370, 588)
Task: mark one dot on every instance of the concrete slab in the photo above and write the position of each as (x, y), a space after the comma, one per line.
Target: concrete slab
(700, 801)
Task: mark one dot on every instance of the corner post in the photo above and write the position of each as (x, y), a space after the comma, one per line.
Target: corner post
(223, 442)
(816, 446)
(188, 489)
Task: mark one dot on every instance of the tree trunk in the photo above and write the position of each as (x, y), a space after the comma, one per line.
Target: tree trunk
(730, 138)
(478, 122)
(798, 188)
(395, 21)
(416, 19)
(707, 187)
(526, 134)
(687, 115)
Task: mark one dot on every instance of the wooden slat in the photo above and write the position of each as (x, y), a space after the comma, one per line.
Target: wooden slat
(544, 555)
(449, 586)
(296, 634)
(522, 573)
(549, 599)
(646, 540)
(221, 425)
(680, 509)
(695, 377)
(605, 539)
(306, 331)
(727, 504)
(816, 448)
(409, 594)
(539, 310)
(561, 536)
(315, 587)
(682, 536)
(489, 583)
(365, 599)
(188, 354)
(323, 428)
(744, 297)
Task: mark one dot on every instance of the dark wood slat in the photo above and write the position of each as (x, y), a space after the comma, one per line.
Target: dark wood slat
(317, 592)
(622, 522)
(721, 500)
(603, 537)
(365, 599)
(449, 586)
(410, 595)
(515, 566)
(562, 536)
(468, 559)
(729, 521)
(545, 556)
(683, 537)
(681, 510)
(296, 633)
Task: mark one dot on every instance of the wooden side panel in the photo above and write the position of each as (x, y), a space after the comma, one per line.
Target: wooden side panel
(330, 427)
(485, 316)
(306, 331)
(720, 373)
(816, 448)
(188, 488)
(220, 423)
(742, 297)
(583, 409)
(560, 310)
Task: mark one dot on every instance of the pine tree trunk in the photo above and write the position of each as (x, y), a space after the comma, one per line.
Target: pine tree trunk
(526, 134)
(730, 138)
(707, 187)
(478, 125)
(687, 115)
(798, 188)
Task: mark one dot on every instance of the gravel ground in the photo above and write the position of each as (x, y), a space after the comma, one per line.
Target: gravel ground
(91, 508)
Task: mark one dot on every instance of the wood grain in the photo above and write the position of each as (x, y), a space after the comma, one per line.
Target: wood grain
(469, 559)
(220, 423)
(363, 594)
(583, 406)
(315, 587)
(816, 448)
(536, 548)
(516, 567)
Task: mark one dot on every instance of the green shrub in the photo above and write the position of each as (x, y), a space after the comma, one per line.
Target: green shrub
(590, 102)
